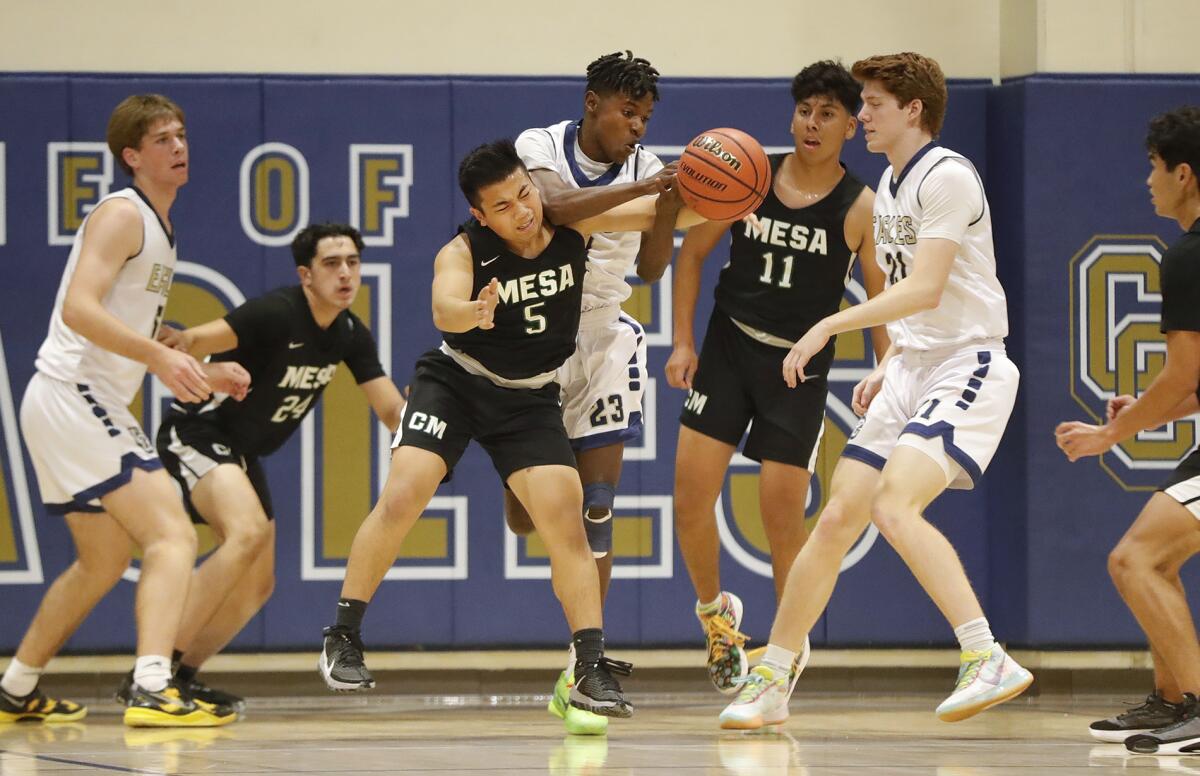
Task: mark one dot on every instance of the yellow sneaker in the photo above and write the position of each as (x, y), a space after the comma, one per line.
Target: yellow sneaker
(171, 707)
(577, 721)
(38, 707)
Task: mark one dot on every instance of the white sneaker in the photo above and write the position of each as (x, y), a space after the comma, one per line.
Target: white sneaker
(760, 700)
(985, 679)
(779, 715)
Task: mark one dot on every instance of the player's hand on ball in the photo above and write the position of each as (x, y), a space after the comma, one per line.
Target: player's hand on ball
(228, 377)
(813, 341)
(1079, 440)
(865, 392)
(485, 304)
(681, 366)
(662, 181)
(1117, 405)
(181, 374)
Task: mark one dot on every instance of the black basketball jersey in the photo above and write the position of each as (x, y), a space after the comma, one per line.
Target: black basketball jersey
(290, 360)
(537, 316)
(788, 275)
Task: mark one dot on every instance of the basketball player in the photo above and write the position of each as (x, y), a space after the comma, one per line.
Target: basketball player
(506, 294)
(582, 168)
(1145, 563)
(93, 462)
(291, 340)
(787, 269)
(936, 406)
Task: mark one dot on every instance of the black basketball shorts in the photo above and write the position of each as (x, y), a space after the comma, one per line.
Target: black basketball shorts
(448, 407)
(740, 380)
(192, 446)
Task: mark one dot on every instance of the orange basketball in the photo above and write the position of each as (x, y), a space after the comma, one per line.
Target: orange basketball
(723, 174)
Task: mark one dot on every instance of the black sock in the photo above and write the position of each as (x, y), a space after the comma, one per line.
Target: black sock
(176, 657)
(589, 647)
(350, 613)
(184, 674)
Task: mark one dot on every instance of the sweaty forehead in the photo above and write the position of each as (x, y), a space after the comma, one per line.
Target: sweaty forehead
(336, 245)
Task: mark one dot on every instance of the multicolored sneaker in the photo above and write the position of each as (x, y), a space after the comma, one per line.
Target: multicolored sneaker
(598, 691)
(171, 707)
(1152, 714)
(38, 707)
(780, 714)
(576, 721)
(727, 661)
(985, 679)
(760, 699)
(1183, 737)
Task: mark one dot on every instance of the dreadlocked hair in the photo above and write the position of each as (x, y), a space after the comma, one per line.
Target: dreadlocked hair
(625, 74)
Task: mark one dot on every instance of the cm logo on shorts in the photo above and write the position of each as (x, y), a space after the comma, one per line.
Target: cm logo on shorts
(1117, 348)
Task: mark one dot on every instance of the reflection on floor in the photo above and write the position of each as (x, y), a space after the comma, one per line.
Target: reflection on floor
(678, 734)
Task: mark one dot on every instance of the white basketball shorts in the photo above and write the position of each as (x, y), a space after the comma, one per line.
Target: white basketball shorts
(83, 446)
(953, 407)
(603, 383)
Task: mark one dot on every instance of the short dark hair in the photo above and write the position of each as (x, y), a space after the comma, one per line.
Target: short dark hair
(624, 74)
(304, 245)
(828, 78)
(487, 164)
(1174, 137)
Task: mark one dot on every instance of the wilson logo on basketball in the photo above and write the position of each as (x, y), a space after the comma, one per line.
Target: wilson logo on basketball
(713, 146)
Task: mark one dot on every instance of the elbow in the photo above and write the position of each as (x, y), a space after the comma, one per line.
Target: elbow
(555, 211)
(650, 273)
(930, 299)
(71, 315)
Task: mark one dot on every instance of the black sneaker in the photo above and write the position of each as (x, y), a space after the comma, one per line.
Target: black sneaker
(597, 691)
(1153, 714)
(37, 707)
(124, 691)
(1183, 737)
(202, 692)
(341, 662)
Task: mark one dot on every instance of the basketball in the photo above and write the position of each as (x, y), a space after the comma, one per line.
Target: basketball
(723, 174)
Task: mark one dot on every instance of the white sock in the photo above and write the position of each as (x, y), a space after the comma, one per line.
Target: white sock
(710, 607)
(152, 672)
(571, 659)
(779, 660)
(19, 679)
(975, 635)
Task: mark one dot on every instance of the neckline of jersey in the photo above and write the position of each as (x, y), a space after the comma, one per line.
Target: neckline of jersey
(570, 141)
(894, 184)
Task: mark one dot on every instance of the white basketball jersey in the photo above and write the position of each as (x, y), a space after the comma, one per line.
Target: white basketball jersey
(939, 194)
(137, 298)
(612, 254)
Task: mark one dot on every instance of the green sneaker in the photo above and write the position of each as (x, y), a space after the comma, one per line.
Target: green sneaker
(576, 721)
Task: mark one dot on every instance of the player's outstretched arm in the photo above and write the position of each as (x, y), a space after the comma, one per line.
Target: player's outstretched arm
(921, 290)
(564, 204)
(113, 235)
(1168, 393)
(659, 243)
(203, 340)
(635, 216)
(685, 290)
(385, 400)
(453, 277)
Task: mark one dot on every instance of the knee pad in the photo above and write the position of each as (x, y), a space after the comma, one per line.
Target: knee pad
(598, 500)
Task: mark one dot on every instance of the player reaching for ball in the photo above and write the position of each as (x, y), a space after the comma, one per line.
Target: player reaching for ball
(936, 406)
(787, 269)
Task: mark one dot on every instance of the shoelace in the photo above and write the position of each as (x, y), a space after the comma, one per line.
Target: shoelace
(753, 685)
(971, 668)
(348, 646)
(604, 676)
(723, 635)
